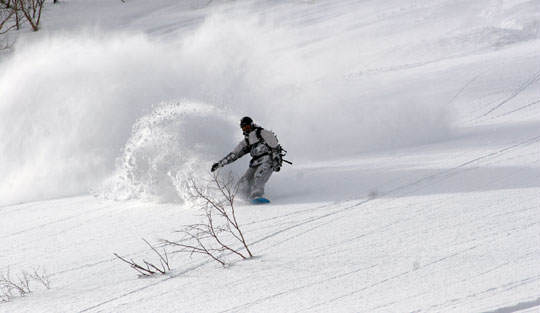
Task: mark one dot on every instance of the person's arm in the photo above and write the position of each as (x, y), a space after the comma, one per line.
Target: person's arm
(239, 151)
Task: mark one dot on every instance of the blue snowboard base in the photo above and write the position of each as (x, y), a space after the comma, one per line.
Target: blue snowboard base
(260, 200)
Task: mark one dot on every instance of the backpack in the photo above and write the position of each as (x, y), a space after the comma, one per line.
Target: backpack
(277, 153)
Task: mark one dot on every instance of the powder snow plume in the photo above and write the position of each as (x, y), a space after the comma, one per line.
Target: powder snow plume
(70, 112)
(167, 146)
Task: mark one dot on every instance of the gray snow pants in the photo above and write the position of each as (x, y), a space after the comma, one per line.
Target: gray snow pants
(251, 184)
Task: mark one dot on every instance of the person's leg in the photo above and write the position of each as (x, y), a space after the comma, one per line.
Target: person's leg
(261, 176)
(245, 182)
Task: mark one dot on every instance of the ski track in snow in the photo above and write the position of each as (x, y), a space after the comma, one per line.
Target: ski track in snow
(519, 109)
(456, 170)
(535, 78)
(504, 287)
(491, 290)
(288, 291)
(354, 292)
(462, 89)
(517, 307)
(59, 221)
(153, 284)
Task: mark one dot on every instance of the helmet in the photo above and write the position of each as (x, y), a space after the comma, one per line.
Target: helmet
(246, 123)
(246, 120)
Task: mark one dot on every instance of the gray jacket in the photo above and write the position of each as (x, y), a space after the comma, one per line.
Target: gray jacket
(261, 150)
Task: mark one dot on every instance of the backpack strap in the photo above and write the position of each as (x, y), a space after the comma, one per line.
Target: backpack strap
(259, 136)
(258, 133)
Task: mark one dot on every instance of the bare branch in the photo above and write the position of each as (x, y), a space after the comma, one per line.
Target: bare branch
(31, 10)
(150, 268)
(19, 285)
(41, 276)
(143, 271)
(220, 231)
(163, 259)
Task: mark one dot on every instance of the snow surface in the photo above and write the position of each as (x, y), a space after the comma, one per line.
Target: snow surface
(414, 127)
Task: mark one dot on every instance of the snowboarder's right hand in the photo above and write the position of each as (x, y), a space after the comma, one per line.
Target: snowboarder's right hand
(215, 166)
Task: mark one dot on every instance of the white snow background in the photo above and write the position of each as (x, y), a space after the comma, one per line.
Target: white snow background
(414, 128)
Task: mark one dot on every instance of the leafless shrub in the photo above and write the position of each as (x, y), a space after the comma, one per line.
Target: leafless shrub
(15, 13)
(11, 16)
(31, 9)
(220, 233)
(19, 285)
(41, 276)
(146, 268)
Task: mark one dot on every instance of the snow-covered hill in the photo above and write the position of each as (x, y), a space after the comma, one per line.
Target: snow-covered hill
(414, 127)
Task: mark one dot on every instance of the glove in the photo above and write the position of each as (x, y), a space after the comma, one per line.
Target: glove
(215, 166)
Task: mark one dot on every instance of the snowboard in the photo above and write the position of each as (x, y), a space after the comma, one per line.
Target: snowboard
(260, 200)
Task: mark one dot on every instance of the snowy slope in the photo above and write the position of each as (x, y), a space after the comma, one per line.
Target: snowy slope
(414, 127)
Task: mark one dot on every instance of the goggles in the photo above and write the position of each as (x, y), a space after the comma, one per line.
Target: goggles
(245, 127)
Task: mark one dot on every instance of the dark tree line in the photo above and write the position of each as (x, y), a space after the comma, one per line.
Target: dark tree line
(16, 13)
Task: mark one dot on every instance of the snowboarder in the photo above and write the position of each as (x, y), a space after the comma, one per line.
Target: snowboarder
(266, 156)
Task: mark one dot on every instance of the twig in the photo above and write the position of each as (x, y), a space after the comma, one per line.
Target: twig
(150, 268)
